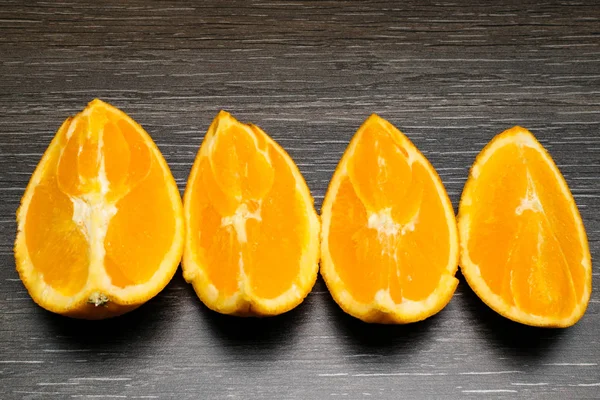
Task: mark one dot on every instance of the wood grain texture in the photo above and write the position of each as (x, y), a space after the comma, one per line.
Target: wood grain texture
(450, 74)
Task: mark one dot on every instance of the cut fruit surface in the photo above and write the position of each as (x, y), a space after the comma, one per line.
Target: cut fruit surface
(252, 242)
(524, 249)
(100, 226)
(389, 245)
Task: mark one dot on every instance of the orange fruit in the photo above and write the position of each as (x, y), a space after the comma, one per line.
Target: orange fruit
(389, 244)
(524, 249)
(100, 226)
(252, 233)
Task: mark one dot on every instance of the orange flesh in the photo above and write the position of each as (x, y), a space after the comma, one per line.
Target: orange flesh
(134, 246)
(410, 254)
(139, 233)
(54, 236)
(541, 272)
(246, 179)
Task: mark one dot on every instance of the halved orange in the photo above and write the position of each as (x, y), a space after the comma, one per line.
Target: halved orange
(389, 246)
(252, 243)
(524, 249)
(100, 226)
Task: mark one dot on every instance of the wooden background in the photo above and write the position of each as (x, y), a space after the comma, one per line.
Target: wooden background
(450, 74)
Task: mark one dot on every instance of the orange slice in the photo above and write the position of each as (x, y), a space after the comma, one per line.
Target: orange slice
(252, 243)
(524, 250)
(389, 241)
(100, 227)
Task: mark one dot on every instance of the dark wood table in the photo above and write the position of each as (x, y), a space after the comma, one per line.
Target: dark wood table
(450, 74)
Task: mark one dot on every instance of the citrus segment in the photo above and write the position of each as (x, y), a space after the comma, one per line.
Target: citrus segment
(252, 231)
(389, 242)
(101, 221)
(48, 223)
(524, 247)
